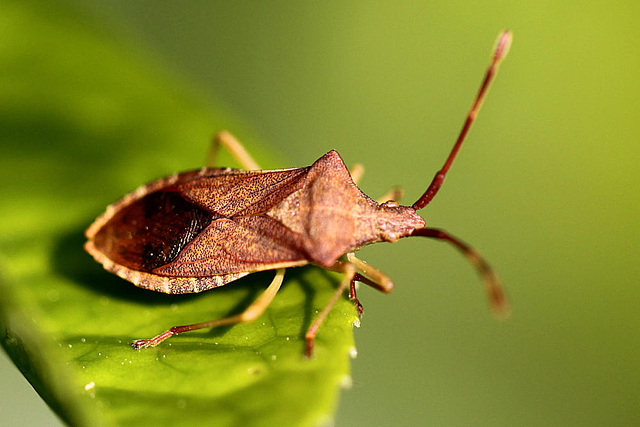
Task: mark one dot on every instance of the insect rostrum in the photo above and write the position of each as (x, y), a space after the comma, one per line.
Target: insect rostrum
(202, 229)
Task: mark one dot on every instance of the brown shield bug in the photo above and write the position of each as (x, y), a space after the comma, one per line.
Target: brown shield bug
(198, 230)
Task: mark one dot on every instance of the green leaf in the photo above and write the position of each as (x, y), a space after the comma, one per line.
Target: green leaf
(85, 119)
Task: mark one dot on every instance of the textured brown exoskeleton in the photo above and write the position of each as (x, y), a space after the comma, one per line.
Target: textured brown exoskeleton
(202, 229)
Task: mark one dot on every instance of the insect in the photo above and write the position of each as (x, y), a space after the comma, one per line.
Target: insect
(199, 230)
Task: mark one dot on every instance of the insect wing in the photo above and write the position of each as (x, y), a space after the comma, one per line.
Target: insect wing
(242, 244)
(241, 193)
(200, 223)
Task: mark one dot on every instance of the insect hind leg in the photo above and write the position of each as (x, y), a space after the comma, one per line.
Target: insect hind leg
(250, 314)
(234, 147)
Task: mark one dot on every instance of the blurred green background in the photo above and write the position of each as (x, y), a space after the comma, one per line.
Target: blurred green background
(547, 188)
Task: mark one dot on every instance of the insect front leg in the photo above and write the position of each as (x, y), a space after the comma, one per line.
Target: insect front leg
(250, 314)
(394, 194)
(234, 147)
(356, 172)
(353, 288)
(379, 280)
(352, 270)
(349, 272)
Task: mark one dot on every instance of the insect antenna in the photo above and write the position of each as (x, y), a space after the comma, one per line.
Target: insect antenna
(495, 292)
(500, 51)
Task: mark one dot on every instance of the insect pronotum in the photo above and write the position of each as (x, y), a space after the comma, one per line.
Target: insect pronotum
(198, 230)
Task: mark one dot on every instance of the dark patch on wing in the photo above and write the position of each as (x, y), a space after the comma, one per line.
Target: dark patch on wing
(152, 231)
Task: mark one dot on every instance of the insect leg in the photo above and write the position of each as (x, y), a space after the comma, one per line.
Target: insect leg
(379, 280)
(394, 194)
(356, 172)
(353, 291)
(234, 147)
(250, 314)
(496, 293)
(349, 271)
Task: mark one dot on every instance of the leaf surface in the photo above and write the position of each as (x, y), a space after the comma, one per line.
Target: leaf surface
(85, 119)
